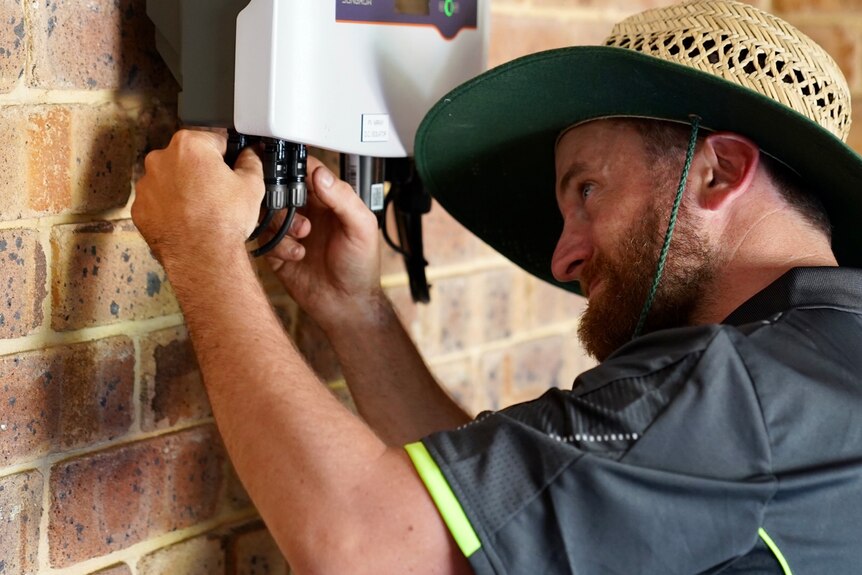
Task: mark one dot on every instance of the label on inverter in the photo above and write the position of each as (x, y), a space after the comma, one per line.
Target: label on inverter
(448, 16)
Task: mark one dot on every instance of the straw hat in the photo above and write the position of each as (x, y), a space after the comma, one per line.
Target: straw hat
(486, 150)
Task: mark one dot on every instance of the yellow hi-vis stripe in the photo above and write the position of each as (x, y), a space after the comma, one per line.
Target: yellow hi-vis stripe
(775, 550)
(447, 504)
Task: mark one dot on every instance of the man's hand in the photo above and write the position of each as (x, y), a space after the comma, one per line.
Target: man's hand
(191, 203)
(334, 274)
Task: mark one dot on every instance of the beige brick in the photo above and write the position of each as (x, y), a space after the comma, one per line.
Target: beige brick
(121, 569)
(548, 304)
(111, 500)
(104, 273)
(13, 44)
(854, 140)
(13, 159)
(172, 390)
(22, 273)
(513, 35)
(457, 378)
(253, 551)
(20, 513)
(64, 397)
(844, 44)
(456, 315)
(498, 301)
(102, 44)
(202, 555)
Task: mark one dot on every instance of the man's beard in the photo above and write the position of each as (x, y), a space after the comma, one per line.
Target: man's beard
(612, 314)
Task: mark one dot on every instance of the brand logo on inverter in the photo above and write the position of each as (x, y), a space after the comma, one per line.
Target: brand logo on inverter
(358, 2)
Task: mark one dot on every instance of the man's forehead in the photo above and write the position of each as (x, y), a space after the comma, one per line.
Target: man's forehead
(579, 139)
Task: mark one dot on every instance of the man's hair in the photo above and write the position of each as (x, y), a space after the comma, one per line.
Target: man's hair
(668, 141)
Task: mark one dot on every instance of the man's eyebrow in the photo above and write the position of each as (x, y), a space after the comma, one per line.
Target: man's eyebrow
(575, 170)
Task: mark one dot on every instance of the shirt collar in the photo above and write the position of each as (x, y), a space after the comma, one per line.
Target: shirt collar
(829, 287)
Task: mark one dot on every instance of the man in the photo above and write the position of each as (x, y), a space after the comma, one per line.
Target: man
(721, 431)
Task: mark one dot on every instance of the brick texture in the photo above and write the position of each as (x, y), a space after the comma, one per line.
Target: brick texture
(113, 499)
(199, 556)
(104, 157)
(64, 397)
(121, 569)
(105, 44)
(48, 179)
(526, 370)
(22, 273)
(104, 273)
(254, 552)
(20, 510)
(13, 42)
(172, 390)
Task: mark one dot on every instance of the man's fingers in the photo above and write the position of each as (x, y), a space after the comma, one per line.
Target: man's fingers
(248, 164)
(339, 197)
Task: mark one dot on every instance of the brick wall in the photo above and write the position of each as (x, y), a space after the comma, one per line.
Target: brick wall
(109, 459)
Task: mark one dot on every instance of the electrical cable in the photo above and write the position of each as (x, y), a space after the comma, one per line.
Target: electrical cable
(386, 237)
(264, 223)
(282, 231)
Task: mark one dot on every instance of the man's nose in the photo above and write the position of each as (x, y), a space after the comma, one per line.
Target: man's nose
(573, 249)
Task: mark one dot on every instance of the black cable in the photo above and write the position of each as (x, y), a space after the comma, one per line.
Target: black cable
(383, 226)
(282, 231)
(264, 223)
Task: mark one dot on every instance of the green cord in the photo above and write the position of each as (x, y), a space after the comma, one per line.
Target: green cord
(662, 259)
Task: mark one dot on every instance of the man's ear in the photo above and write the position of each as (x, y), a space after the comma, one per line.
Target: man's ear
(730, 162)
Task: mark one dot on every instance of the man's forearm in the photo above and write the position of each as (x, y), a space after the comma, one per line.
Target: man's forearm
(392, 386)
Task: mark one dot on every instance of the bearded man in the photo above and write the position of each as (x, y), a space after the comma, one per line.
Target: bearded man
(707, 206)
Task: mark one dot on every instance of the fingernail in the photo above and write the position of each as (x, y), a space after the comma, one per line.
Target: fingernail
(326, 177)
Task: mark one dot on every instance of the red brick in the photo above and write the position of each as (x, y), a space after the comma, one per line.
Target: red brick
(172, 389)
(20, 513)
(121, 569)
(104, 157)
(49, 188)
(514, 35)
(22, 273)
(254, 552)
(105, 44)
(156, 125)
(236, 496)
(65, 397)
(202, 555)
(104, 273)
(13, 44)
(113, 499)
(314, 345)
(526, 370)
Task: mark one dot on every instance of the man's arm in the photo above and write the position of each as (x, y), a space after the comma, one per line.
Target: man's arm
(390, 383)
(335, 497)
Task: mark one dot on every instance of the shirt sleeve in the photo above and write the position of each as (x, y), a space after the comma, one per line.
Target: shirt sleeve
(654, 463)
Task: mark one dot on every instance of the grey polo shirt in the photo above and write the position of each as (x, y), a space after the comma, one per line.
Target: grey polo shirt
(732, 448)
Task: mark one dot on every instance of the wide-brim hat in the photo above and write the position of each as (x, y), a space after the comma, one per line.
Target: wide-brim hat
(486, 150)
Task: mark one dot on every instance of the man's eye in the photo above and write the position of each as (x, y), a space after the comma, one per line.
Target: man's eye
(586, 190)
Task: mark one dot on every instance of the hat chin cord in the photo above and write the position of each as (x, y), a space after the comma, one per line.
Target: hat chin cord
(674, 214)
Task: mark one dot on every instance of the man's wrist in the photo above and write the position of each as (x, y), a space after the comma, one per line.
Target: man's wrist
(361, 316)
